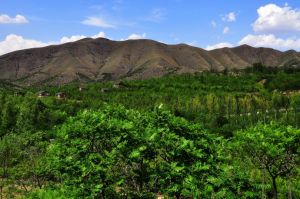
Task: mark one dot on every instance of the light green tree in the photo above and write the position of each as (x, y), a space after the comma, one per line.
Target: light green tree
(272, 147)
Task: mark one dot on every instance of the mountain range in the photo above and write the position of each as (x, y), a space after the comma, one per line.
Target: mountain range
(103, 59)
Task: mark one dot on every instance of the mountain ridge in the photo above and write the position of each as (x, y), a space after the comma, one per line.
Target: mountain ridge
(103, 59)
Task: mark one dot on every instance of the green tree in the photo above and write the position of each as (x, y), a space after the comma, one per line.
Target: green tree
(32, 115)
(124, 153)
(8, 119)
(10, 154)
(272, 147)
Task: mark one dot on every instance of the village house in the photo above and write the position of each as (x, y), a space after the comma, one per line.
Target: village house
(81, 88)
(61, 95)
(104, 90)
(119, 84)
(19, 93)
(43, 94)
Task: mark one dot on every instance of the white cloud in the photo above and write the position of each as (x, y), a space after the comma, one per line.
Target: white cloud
(136, 36)
(275, 19)
(213, 24)
(100, 34)
(219, 45)
(18, 19)
(271, 41)
(14, 42)
(230, 17)
(226, 30)
(157, 15)
(98, 22)
(78, 37)
(72, 38)
(265, 40)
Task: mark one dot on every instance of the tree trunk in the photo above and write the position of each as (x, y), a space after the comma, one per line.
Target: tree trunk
(296, 117)
(290, 190)
(102, 195)
(263, 187)
(38, 182)
(275, 192)
(1, 191)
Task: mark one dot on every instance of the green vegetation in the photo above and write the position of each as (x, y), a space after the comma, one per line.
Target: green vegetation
(208, 135)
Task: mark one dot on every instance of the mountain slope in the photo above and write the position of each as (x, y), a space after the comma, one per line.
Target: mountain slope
(101, 59)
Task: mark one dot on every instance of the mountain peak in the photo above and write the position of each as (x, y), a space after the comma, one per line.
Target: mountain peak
(86, 60)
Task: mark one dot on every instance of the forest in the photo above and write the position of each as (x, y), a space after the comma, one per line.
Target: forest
(230, 134)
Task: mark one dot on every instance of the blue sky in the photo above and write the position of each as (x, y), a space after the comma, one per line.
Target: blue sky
(206, 24)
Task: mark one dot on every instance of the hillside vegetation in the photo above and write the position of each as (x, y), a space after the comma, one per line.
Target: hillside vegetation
(207, 135)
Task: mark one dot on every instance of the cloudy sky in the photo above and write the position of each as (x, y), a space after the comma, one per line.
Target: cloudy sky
(206, 24)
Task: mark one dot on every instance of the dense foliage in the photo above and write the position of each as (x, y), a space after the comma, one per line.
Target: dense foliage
(272, 148)
(209, 135)
(123, 153)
